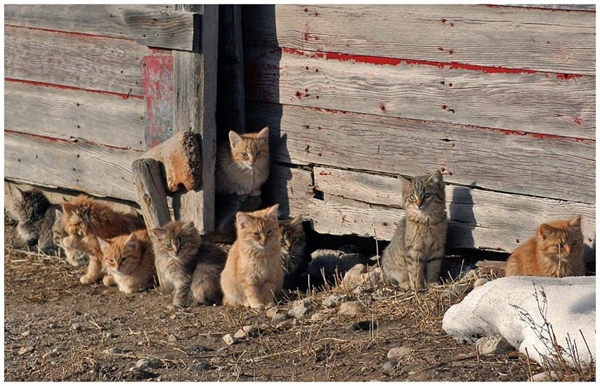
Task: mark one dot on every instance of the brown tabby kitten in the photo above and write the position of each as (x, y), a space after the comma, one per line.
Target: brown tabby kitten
(253, 273)
(293, 243)
(89, 219)
(129, 261)
(555, 251)
(185, 263)
(74, 257)
(416, 250)
(243, 166)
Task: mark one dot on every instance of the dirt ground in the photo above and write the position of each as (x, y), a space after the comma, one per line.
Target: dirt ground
(56, 329)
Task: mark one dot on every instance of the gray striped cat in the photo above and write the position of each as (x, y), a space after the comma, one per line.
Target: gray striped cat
(293, 243)
(416, 250)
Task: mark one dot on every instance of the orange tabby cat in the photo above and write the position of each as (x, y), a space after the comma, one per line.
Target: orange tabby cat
(129, 261)
(253, 273)
(89, 220)
(243, 166)
(555, 251)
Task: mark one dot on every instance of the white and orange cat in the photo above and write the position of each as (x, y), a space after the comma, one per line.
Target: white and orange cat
(129, 262)
(85, 220)
(243, 166)
(556, 250)
(253, 275)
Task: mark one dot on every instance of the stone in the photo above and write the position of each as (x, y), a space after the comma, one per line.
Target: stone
(397, 353)
(148, 363)
(354, 276)
(246, 331)
(112, 351)
(111, 335)
(493, 345)
(229, 339)
(199, 366)
(25, 333)
(76, 326)
(298, 311)
(480, 282)
(25, 350)
(351, 308)
(333, 300)
(172, 338)
(544, 377)
(285, 324)
(390, 365)
(278, 318)
(374, 277)
(271, 312)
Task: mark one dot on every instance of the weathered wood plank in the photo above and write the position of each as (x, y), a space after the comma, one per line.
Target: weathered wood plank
(291, 188)
(532, 102)
(91, 63)
(231, 101)
(514, 214)
(94, 169)
(496, 160)
(149, 25)
(561, 42)
(74, 114)
(157, 81)
(151, 193)
(195, 88)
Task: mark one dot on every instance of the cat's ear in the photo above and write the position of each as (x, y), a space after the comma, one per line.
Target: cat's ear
(296, 223)
(131, 242)
(436, 178)
(234, 139)
(159, 232)
(273, 211)
(68, 208)
(545, 231)
(104, 245)
(405, 180)
(264, 133)
(575, 222)
(58, 215)
(188, 226)
(21, 193)
(242, 219)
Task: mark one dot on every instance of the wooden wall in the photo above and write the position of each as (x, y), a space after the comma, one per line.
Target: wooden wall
(501, 99)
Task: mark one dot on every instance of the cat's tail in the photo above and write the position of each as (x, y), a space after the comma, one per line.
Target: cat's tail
(492, 267)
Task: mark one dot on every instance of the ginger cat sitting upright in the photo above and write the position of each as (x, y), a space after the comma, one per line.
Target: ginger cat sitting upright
(253, 274)
(555, 251)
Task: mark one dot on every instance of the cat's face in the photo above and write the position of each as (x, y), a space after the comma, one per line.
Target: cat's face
(423, 194)
(58, 231)
(177, 238)
(561, 239)
(259, 229)
(292, 235)
(29, 203)
(250, 149)
(122, 254)
(75, 219)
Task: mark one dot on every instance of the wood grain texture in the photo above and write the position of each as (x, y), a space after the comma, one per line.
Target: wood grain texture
(149, 25)
(94, 169)
(157, 81)
(195, 87)
(291, 188)
(151, 193)
(510, 162)
(79, 61)
(532, 102)
(510, 37)
(74, 114)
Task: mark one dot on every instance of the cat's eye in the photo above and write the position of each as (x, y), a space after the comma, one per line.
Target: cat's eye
(258, 153)
(245, 154)
(427, 195)
(282, 241)
(295, 239)
(256, 233)
(574, 243)
(180, 242)
(169, 245)
(412, 197)
(269, 231)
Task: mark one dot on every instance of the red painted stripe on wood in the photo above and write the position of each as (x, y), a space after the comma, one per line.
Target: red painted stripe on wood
(68, 33)
(75, 140)
(157, 82)
(63, 87)
(377, 60)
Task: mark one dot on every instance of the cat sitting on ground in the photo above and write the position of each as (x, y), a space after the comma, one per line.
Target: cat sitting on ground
(185, 264)
(243, 165)
(88, 220)
(293, 255)
(129, 261)
(556, 250)
(416, 250)
(73, 256)
(253, 275)
(35, 215)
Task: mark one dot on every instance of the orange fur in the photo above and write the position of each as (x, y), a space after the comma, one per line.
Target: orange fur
(243, 166)
(555, 251)
(88, 219)
(253, 275)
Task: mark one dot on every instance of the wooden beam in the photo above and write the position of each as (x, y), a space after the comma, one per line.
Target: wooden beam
(92, 63)
(149, 25)
(74, 114)
(532, 102)
(151, 194)
(291, 188)
(506, 37)
(195, 85)
(95, 169)
(498, 160)
(157, 80)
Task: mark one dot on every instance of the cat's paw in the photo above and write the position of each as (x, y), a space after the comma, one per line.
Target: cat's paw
(108, 280)
(259, 306)
(87, 279)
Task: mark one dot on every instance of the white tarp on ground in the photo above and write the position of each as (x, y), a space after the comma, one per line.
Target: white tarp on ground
(509, 307)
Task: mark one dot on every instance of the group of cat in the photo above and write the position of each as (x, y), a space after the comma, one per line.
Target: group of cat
(267, 252)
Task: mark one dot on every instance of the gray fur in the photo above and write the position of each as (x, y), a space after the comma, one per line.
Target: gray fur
(35, 216)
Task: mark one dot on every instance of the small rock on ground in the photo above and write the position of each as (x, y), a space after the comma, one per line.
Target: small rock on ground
(351, 308)
(278, 318)
(271, 312)
(25, 350)
(390, 365)
(229, 339)
(199, 366)
(298, 311)
(246, 331)
(493, 345)
(114, 350)
(354, 276)
(399, 353)
(172, 338)
(480, 282)
(149, 363)
(335, 299)
(544, 377)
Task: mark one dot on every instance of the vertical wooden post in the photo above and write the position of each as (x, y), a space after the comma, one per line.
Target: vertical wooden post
(195, 87)
(150, 189)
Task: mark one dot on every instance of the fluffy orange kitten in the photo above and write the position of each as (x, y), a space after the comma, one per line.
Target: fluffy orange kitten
(243, 166)
(129, 261)
(253, 273)
(85, 218)
(555, 251)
